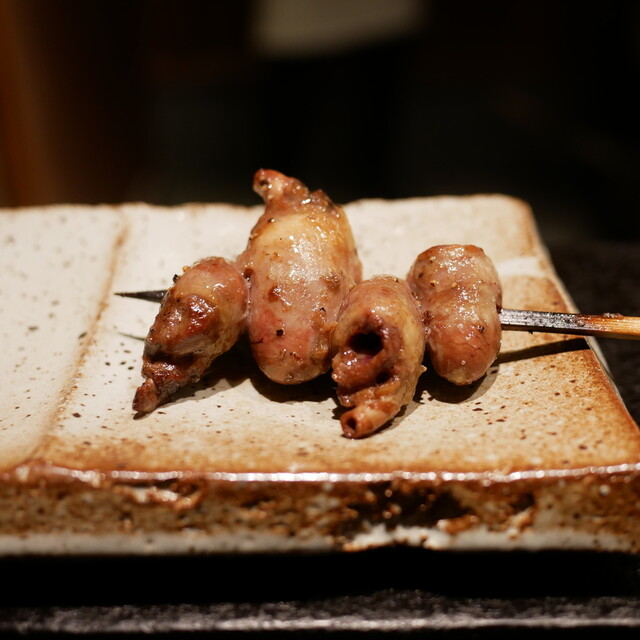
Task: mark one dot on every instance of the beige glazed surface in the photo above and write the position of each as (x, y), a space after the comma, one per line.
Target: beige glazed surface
(541, 453)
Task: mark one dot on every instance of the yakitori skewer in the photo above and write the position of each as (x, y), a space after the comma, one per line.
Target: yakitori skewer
(606, 325)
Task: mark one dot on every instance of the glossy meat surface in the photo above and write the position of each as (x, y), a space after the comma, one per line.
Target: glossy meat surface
(201, 316)
(379, 342)
(458, 289)
(300, 261)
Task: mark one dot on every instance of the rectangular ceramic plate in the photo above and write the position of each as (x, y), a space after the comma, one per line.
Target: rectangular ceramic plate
(540, 454)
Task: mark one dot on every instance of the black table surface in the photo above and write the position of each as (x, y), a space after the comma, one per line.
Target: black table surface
(397, 591)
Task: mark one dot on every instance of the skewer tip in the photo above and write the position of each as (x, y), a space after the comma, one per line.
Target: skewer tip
(151, 296)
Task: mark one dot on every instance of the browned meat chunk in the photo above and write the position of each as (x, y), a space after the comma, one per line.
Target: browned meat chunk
(459, 291)
(201, 316)
(300, 262)
(379, 342)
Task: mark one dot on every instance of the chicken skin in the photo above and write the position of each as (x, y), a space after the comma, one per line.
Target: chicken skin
(379, 342)
(201, 316)
(300, 262)
(459, 291)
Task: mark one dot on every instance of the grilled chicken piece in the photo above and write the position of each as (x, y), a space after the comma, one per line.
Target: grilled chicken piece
(379, 342)
(459, 291)
(300, 262)
(202, 315)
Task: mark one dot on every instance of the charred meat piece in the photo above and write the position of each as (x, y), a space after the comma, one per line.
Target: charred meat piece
(201, 316)
(379, 342)
(300, 263)
(458, 289)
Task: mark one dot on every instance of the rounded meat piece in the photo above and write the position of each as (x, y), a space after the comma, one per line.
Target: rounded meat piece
(459, 291)
(300, 262)
(201, 316)
(379, 343)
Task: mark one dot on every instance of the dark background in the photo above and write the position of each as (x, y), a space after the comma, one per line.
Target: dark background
(168, 101)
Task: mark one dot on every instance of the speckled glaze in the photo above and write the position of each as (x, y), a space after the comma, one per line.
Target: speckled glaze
(540, 453)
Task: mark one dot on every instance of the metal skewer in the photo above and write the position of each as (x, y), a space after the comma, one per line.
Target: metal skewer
(606, 325)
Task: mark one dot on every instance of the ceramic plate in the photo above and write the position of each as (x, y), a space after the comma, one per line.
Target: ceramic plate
(540, 454)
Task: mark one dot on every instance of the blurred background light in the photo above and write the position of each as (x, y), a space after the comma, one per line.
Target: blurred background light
(170, 101)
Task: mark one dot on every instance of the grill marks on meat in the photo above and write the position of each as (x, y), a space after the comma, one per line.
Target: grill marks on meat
(297, 291)
(201, 316)
(379, 342)
(300, 261)
(459, 291)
